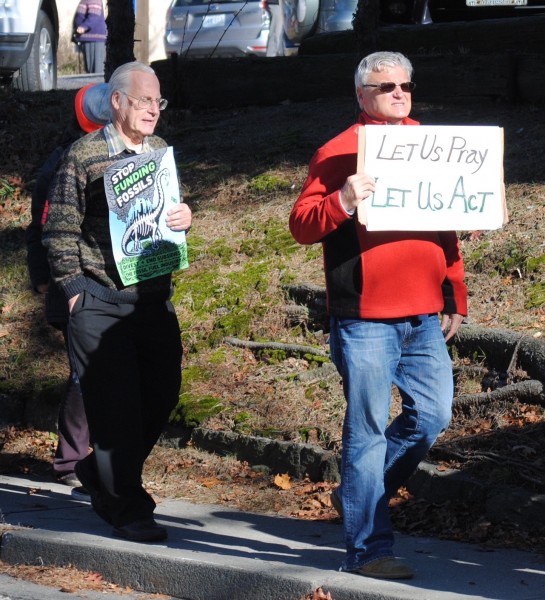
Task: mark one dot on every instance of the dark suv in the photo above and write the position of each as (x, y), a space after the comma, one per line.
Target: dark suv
(302, 18)
(29, 35)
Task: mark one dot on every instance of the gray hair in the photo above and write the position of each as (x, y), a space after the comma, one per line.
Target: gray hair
(377, 62)
(121, 77)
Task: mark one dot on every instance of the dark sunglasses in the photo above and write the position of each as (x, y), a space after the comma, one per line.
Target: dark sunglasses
(390, 86)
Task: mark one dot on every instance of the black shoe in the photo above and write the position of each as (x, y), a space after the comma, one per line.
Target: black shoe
(146, 530)
(81, 494)
(92, 486)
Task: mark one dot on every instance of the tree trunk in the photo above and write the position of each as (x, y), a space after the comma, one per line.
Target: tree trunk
(366, 26)
(525, 392)
(505, 350)
(120, 41)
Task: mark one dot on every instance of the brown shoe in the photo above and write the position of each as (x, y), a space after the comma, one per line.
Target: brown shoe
(385, 568)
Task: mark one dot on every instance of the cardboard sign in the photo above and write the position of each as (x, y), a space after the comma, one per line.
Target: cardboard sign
(139, 191)
(433, 178)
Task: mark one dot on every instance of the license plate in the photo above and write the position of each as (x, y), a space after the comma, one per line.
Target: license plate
(213, 21)
(496, 2)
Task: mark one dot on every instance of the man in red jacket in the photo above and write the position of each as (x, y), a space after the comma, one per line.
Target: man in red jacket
(384, 292)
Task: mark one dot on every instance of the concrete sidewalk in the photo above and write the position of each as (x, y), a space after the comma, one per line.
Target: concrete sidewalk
(214, 553)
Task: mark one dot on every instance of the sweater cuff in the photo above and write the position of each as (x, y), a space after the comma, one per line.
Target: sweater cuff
(73, 287)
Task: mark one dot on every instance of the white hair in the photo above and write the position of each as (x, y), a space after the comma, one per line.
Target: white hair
(121, 77)
(377, 62)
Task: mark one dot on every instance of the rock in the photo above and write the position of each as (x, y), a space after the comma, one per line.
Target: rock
(516, 505)
(298, 460)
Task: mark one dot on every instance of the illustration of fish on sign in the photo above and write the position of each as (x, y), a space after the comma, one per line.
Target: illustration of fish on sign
(140, 190)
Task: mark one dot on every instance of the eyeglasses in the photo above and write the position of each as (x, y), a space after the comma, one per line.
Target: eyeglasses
(390, 86)
(143, 102)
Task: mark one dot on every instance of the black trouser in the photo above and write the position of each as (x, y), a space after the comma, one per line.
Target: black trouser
(128, 358)
(73, 444)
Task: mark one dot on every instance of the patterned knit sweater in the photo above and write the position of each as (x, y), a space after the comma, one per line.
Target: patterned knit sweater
(90, 15)
(77, 232)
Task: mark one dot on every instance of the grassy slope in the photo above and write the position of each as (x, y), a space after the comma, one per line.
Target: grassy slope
(241, 172)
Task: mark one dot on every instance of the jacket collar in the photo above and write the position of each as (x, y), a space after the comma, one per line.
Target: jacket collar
(365, 119)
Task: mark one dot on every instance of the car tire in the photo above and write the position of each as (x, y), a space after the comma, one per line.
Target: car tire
(39, 73)
(300, 18)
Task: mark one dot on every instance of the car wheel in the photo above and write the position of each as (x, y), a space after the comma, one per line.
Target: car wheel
(300, 18)
(39, 73)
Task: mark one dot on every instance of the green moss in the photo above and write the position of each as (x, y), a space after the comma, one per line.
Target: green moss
(289, 138)
(48, 390)
(515, 260)
(217, 357)
(194, 373)
(231, 298)
(242, 423)
(304, 432)
(313, 252)
(241, 417)
(199, 248)
(309, 393)
(235, 324)
(7, 189)
(316, 361)
(272, 356)
(271, 433)
(266, 239)
(535, 295)
(535, 264)
(196, 245)
(192, 411)
(221, 250)
(267, 183)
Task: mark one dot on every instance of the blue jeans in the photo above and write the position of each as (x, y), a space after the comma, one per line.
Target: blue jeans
(378, 458)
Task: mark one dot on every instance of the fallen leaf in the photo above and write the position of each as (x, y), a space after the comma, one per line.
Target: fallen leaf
(282, 481)
(210, 482)
(96, 577)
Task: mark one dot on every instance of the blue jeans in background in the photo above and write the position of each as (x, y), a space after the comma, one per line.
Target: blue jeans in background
(377, 457)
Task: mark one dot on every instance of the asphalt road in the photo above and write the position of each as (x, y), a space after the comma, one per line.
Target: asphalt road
(74, 82)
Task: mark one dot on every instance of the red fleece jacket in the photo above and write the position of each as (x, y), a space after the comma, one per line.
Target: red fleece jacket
(380, 274)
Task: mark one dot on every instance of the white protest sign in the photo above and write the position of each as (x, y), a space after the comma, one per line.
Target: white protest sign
(433, 178)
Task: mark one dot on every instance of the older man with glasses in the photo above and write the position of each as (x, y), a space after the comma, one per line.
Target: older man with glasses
(385, 290)
(124, 339)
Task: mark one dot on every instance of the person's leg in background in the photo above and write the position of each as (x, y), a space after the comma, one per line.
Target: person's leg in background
(73, 431)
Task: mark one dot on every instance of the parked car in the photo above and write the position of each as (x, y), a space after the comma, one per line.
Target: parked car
(228, 28)
(468, 10)
(29, 35)
(303, 18)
